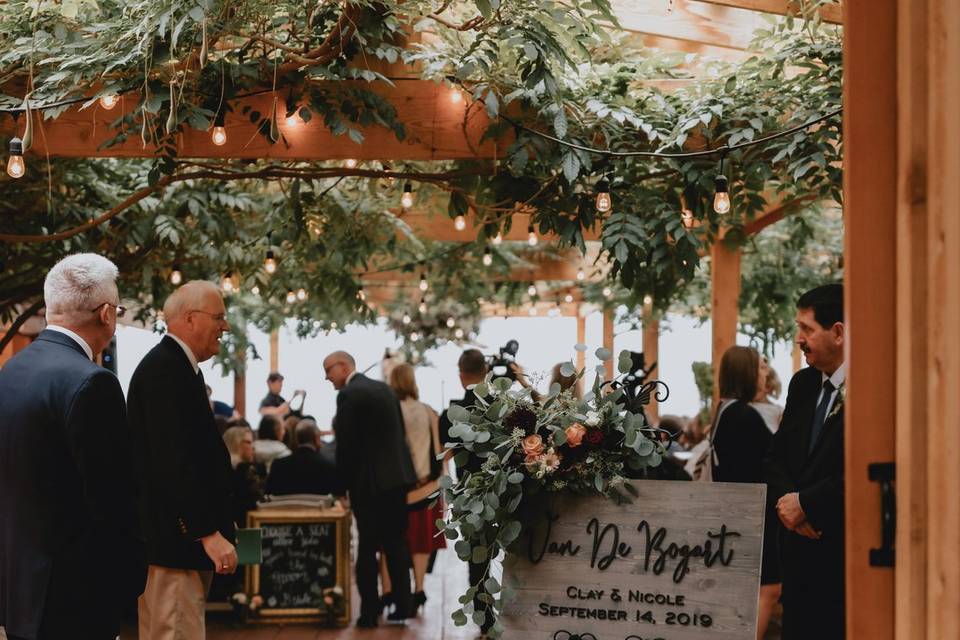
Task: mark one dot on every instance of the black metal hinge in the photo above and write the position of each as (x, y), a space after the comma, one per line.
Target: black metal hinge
(885, 474)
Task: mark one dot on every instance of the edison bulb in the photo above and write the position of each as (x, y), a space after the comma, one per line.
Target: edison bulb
(176, 277)
(532, 238)
(291, 297)
(532, 290)
(721, 202)
(423, 306)
(451, 323)
(607, 292)
(487, 258)
(109, 101)
(498, 239)
(227, 283)
(581, 276)
(406, 318)
(406, 200)
(414, 336)
(270, 264)
(648, 299)
(361, 294)
(15, 166)
(459, 223)
(568, 298)
(459, 334)
(301, 294)
(350, 163)
(456, 96)
(255, 290)
(423, 283)
(219, 136)
(603, 201)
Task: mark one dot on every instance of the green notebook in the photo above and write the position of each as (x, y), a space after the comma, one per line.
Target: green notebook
(249, 549)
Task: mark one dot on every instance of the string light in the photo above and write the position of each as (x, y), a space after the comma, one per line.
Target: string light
(456, 97)
(317, 324)
(487, 257)
(293, 119)
(227, 283)
(460, 223)
(109, 101)
(301, 294)
(291, 297)
(334, 325)
(531, 236)
(568, 298)
(15, 165)
(721, 198)
(458, 333)
(255, 290)
(361, 295)
(423, 282)
(581, 276)
(406, 200)
(414, 336)
(350, 163)
(423, 305)
(219, 135)
(532, 290)
(604, 202)
(176, 277)
(270, 263)
(607, 292)
(498, 239)
(406, 318)
(648, 300)
(451, 323)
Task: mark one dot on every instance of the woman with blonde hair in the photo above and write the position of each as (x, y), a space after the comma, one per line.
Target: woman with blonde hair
(423, 440)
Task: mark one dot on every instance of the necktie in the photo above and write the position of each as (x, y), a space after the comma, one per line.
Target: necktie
(821, 414)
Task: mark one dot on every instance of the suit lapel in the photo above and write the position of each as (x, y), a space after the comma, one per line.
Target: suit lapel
(828, 426)
(806, 424)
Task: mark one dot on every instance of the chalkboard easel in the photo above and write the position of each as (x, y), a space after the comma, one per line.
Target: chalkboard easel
(305, 550)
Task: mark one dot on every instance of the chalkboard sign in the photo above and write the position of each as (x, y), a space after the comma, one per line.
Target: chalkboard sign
(682, 562)
(304, 552)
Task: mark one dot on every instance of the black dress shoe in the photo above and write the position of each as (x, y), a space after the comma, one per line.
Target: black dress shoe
(397, 617)
(419, 600)
(386, 601)
(365, 622)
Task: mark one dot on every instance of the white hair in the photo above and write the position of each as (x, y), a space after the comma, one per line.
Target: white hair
(233, 436)
(78, 284)
(188, 298)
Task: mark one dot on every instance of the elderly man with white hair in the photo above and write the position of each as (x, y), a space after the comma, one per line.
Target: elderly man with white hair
(184, 467)
(70, 549)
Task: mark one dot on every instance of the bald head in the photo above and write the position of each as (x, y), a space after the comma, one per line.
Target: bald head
(195, 313)
(338, 366)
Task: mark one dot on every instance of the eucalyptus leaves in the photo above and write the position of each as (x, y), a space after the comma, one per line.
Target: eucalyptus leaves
(520, 449)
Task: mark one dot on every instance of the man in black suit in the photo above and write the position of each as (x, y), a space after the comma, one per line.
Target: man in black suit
(473, 369)
(70, 548)
(804, 472)
(374, 462)
(184, 467)
(305, 470)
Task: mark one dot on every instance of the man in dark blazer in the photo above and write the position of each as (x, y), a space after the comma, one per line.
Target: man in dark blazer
(70, 549)
(804, 472)
(374, 462)
(305, 470)
(184, 467)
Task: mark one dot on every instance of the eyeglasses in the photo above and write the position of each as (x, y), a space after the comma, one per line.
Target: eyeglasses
(218, 317)
(119, 307)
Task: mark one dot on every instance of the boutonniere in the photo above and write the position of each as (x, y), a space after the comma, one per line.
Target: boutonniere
(838, 403)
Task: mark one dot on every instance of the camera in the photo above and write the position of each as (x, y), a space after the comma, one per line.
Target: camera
(499, 364)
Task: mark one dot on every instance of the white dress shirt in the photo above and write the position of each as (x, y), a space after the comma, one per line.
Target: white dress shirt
(838, 378)
(73, 336)
(188, 351)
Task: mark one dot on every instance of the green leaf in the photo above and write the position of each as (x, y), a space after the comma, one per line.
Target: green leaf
(515, 478)
(459, 618)
(625, 362)
(491, 585)
(568, 369)
(603, 354)
(483, 6)
(510, 531)
(479, 554)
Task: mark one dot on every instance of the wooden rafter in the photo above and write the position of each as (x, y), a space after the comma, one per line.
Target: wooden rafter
(832, 13)
(688, 21)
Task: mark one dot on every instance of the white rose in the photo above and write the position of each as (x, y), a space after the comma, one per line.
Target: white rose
(593, 418)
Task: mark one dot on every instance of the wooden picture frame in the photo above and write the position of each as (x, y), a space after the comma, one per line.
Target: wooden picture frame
(341, 519)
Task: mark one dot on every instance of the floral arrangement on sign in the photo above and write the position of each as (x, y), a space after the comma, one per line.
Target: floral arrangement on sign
(519, 448)
(244, 606)
(331, 604)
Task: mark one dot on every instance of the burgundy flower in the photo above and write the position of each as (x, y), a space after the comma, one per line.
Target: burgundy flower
(522, 418)
(594, 437)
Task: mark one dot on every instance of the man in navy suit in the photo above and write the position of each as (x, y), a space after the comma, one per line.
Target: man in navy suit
(804, 472)
(374, 462)
(184, 467)
(70, 549)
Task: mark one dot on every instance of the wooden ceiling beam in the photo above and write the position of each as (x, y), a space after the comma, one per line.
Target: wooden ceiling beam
(831, 13)
(688, 21)
(440, 228)
(437, 128)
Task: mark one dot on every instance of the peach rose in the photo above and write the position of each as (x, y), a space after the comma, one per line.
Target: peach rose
(532, 445)
(575, 433)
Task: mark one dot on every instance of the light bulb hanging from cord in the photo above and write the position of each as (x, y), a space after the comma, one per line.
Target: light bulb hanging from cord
(301, 294)
(607, 292)
(721, 197)
(568, 298)
(532, 236)
(414, 336)
(406, 200)
(406, 318)
(423, 305)
(460, 223)
(423, 282)
(270, 263)
(109, 101)
(227, 283)
(219, 134)
(255, 290)
(15, 165)
(487, 257)
(498, 239)
(458, 333)
(647, 300)
(361, 294)
(350, 163)
(176, 277)
(456, 97)
(291, 297)
(604, 203)
(451, 323)
(581, 276)
(532, 290)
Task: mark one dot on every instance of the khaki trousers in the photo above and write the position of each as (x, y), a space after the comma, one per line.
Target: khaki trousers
(172, 605)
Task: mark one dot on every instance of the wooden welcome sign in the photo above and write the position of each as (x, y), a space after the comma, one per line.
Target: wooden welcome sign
(682, 562)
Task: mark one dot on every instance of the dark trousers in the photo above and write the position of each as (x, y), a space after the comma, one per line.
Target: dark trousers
(478, 574)
(382, 524)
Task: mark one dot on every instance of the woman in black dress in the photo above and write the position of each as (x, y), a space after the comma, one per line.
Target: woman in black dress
(740, 441)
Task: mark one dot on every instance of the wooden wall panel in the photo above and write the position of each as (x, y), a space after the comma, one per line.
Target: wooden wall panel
(870, 197)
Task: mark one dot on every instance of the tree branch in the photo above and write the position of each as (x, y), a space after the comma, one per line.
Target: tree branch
(19, 322)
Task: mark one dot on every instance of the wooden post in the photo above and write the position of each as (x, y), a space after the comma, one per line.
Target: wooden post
(943, 338)
(797, 356)
(651, 353)
(870, 203)
(275, 350)
(911, 257)
(240, 386)
(725, 304)
(608, 342)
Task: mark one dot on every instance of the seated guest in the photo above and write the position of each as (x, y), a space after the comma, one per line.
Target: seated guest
(248, 476)
(269, 444)
(290, 430)
(305, 471)
(741, 439)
